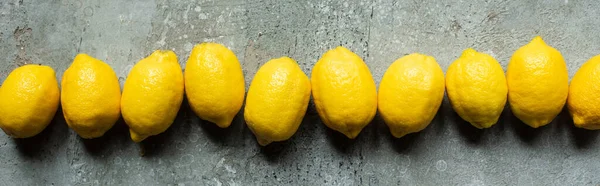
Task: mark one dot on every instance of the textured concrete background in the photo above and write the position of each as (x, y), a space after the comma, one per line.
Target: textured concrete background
(194, 152)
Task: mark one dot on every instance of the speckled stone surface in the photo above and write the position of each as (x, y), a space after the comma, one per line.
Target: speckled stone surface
(194, 152)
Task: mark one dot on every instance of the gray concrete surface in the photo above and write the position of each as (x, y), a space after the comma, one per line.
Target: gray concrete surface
(194, 152)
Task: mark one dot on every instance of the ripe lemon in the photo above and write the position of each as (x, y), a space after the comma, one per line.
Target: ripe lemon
(277, 100)
(410, 93)
(90, 96)
(477, 88)
(214, 83)
(344, 91)
(538, 83)
(152, 94)
(583, 101)
(29, 98)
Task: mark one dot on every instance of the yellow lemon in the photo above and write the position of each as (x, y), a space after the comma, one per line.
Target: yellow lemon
(214, 83)
(410, 93)
(538, 83)
(583, 101)
(152, 95)
(277, 100)
(344, 91)
(90, 96)
(29, 98)
(477, 88)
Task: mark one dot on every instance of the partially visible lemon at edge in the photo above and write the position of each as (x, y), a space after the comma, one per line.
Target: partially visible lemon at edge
(584, 95)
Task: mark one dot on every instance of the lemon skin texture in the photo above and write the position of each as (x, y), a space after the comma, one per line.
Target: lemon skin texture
(344, 91)
(90, 96)
(584, 100)
(29, 98)
(477, 89)
(410, 93)
(277, 100)
(538, 83)
(214, 83)
(152, 95)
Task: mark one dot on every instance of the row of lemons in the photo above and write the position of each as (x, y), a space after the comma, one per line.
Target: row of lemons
(411, 92)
